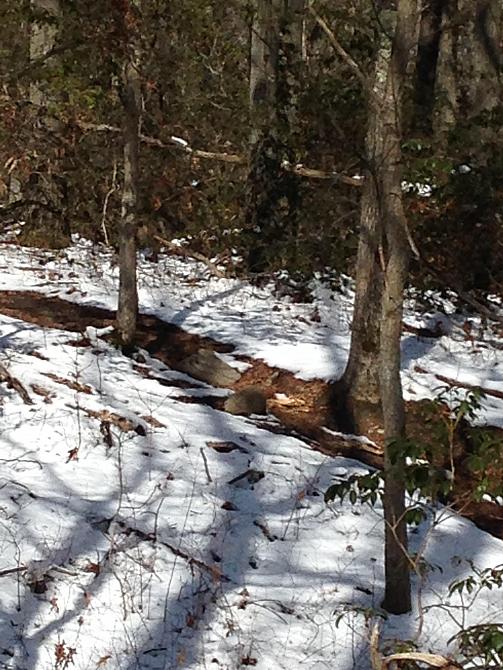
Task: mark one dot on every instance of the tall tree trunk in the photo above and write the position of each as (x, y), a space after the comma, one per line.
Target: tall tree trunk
(468, 76)
(128, 293)
(48, 183)
(42, 40)
(360, 382)
(276, 50)
(397, 598)
(427, 57)
(372, 377)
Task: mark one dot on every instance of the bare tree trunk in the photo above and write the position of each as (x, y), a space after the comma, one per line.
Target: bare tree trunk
(468, 76)
(372, 377)
(42, 41)
(360, 382)
(276, 50)
(128, 294)
(427, 57)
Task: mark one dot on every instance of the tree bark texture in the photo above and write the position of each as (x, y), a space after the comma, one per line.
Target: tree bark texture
(468, 76)
(276, 50)
(373, 373)
(42, 41)
(361, 377)
(128, 294)
(427, 57)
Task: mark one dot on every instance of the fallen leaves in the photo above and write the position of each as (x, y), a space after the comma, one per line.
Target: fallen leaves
(71, 384)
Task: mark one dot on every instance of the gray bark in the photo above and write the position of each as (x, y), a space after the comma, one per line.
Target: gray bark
(397, 598)
(128, 294)
(468, 77)
(373, 372)
(361, 377)
(42, 40)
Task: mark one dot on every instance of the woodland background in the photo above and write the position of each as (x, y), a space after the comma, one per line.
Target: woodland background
(61, 169)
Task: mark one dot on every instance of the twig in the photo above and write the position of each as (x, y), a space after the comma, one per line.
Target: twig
(10, 571)
(111, 190)
(205, 461)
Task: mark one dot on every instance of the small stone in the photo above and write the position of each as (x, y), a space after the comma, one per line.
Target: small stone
(250, 400)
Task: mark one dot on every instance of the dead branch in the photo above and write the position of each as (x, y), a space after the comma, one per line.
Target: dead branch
(312, 173)
(212, 570)
(376, 659)
(380, 662)
(340, 50)
(171, 142)
(185, 253)
(487, 311)
(465, 385)
(431, 660)
(236, 159)
(11, 571)
(12, 382)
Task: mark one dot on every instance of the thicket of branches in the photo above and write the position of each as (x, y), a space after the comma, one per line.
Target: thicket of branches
(61, 161)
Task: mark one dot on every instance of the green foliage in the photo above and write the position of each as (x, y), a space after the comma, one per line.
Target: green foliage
(487, 454)
(481, 645)
(428, 467)
(487, 578)
(194, 73)
(465, 177)
(366, 488)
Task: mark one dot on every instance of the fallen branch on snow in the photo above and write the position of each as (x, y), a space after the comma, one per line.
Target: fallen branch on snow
(12, 382)
(380, 662)
(465, 385)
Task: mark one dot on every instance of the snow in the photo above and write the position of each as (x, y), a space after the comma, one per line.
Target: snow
(150, 557)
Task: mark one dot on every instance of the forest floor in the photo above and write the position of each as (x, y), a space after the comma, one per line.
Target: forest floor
(143, 527)
(306, 414)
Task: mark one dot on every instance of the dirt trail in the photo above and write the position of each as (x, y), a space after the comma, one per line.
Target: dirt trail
(310, 408)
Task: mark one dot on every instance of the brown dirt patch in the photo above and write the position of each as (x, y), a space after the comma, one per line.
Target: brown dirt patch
(307, 411)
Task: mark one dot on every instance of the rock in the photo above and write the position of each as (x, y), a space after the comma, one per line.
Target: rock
(208, 367)
(250, 400)
(247, 479)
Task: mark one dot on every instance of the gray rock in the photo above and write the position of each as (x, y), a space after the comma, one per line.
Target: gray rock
(250, 400)
(208, 367)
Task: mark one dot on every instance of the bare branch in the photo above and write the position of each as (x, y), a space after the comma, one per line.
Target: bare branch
(171, 142)
(312, 173)
(338, 48)
(236, 159)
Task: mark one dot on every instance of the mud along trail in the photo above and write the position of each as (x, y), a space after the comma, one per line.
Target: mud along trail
(306, 407)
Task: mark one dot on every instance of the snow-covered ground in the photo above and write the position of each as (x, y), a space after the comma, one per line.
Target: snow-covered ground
(311, 340)
(146, 549)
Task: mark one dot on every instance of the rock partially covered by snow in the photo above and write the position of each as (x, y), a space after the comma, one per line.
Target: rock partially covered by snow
(250, 400)
(206, 366)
